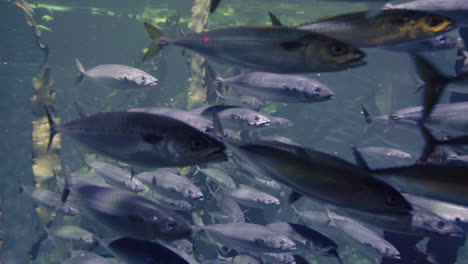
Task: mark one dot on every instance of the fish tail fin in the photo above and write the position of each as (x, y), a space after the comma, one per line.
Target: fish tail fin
(52, 125)
(367, 119)
(359, 159)
(218, 128)
(435, 83)
(158, 41)
(274, 19)
(215, 77)
(213, 5)
(81, 71)
(81, 109)
(430, 142)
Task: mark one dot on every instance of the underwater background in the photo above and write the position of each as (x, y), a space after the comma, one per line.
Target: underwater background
(111, 32)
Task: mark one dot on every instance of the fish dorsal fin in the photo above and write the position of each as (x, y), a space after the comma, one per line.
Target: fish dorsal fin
(213, 5)
(359, 159)
(82, 111)
(293, 197)
(274, 19)
(375, 7)
(79, 66)
(217, 127)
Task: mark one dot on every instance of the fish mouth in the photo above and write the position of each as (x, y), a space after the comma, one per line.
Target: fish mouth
(327, 97)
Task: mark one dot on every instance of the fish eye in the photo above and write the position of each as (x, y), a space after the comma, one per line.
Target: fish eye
(434, 21)
(338, 49)
(259, 241)
(171, 226)
(235, 117)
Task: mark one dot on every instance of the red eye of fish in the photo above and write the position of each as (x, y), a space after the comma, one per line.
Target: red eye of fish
(206, 39)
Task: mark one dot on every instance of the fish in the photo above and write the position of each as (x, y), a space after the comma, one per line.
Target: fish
(277, 87)
(280, 139)
(73, 233)
(200, 123)
(388, 28)
(249, 237)
(115, 76)
(50, 200)
(323, 177)
(137, 251)
(219, 177)
(455, 9)
(117, 176)
(363, 235)
(242, 101)
(168, 202)
(280, 258)
(251, 197)
(385, 152)
(437, 43)
(86, 257)
(235, 117)
(461, 63)
(183, 245)
(170, 184)
(228, 206)
(452, 212)
(143, 139)
(129, 214)
(265, 48)
(449, 118)
(244, 259)
(307, 238)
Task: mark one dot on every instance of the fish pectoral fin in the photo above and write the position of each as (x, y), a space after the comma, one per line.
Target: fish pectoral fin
(152, 138)
(291, 45)
(294, 196)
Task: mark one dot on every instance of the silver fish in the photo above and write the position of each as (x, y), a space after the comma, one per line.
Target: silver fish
(229, 206)
(386, 152)
(265, 48)
(437, 43)
(277, 87)
(129, 214)
(249, 237)
(307, 238)
(170, 184)
(244, 259)
(73, 233)
(234, 117)
(50, 200)
(363, 235)
(251, 197)
(279, 258)
(167, 202)
(219, 177)
(142, 139)
(114, 76)
(183, 245)
(280, 122)
(117, 176)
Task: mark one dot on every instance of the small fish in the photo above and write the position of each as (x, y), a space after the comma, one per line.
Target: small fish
(251, 197)
(244, 259)
(170, 184)
(277, 87)
(279, 258)
(235, 117)
(280, 139)
(202, 124)
(386, 152)
(129, 214)
(452, 212)
(136, 251)
(86, 257)
(363, 235)
(49, 200)
(265, 48)
(114, 76)
(307, 238)
(168, 202)
(183, 245)
(228, 206)
(455, 9)
(73, 233)
(249, 237)
(219, 177)
(142, 138)
(389, 27)
(117, 176)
